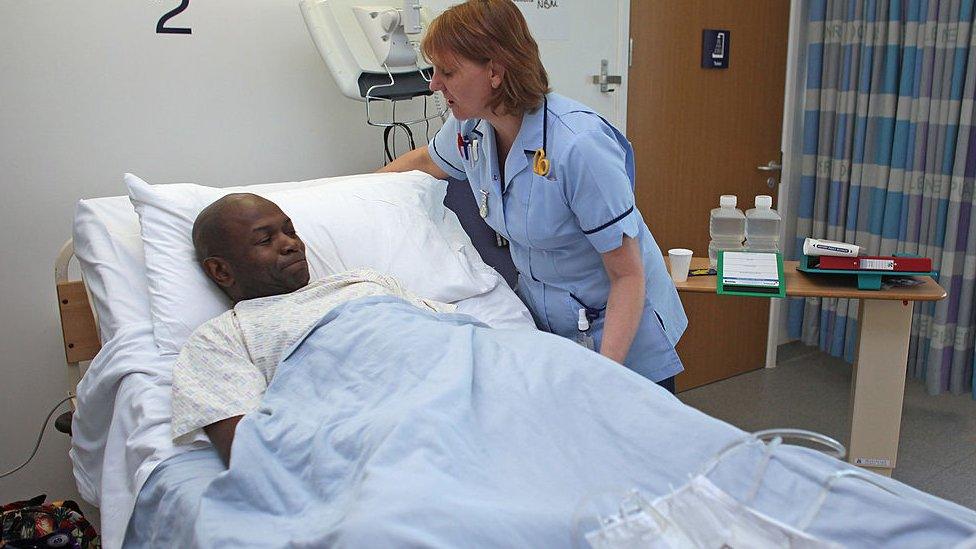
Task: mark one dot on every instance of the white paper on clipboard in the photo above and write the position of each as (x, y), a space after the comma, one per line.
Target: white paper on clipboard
(750, 269)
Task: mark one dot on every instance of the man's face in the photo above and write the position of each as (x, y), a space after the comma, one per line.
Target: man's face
(264, 255)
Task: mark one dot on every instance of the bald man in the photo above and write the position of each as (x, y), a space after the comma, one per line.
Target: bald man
(250, 249)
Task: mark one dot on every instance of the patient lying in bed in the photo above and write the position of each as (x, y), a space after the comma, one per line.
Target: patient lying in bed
(251, 250)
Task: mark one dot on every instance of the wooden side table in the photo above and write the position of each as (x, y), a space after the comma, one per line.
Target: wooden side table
(884, 331)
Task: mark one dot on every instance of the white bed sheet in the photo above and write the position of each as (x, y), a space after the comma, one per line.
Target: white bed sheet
(121, 429)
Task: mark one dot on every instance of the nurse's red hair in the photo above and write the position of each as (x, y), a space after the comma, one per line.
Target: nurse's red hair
(492, 30)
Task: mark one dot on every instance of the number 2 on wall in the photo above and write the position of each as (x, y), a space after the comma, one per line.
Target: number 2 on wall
(161, 27)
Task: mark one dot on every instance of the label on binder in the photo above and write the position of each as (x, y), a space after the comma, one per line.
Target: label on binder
(877, 264)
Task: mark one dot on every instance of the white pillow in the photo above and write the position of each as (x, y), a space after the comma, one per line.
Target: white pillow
(392, 223)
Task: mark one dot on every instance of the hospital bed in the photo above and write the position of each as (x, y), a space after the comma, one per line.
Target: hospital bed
(125, 463)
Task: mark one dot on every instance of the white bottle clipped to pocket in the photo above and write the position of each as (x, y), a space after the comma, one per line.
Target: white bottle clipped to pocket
(762, 226)
(583, 336)
(726, 227)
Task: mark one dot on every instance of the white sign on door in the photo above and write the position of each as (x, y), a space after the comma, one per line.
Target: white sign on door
(548, 19)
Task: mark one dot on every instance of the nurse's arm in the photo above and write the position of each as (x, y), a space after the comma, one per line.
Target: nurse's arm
(625, 304)
(417, 159)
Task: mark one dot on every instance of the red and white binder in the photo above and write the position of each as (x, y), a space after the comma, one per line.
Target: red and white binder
(877, 263)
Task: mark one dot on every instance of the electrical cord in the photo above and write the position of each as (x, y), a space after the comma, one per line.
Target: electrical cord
(391, 129)
(407, 129)
(39, 437)
(386, 145)
(390, 153)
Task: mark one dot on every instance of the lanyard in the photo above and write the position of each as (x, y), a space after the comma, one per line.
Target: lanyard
(541, 164)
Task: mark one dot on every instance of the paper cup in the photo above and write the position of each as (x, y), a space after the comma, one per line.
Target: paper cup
(680, 262)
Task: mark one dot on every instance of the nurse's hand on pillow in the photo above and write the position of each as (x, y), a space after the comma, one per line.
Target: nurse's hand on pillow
(417, 159)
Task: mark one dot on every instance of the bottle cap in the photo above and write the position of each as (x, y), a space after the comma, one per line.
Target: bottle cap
(583, 324)
(727, 201)
(764, 201)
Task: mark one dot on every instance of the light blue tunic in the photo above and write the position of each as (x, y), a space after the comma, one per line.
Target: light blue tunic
(558, 225)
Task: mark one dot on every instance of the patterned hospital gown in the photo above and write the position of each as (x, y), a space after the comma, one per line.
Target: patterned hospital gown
(225, 367)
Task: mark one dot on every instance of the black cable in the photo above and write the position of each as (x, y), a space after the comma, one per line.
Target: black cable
(387, 157)
(39, 437)
(392, 129)
(391, 155)
(393, 132)
(386, 143)
(407, 129)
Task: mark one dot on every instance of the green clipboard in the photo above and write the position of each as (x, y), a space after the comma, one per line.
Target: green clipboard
(750, 291)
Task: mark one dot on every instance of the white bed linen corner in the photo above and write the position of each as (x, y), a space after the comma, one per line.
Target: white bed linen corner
(121, 429)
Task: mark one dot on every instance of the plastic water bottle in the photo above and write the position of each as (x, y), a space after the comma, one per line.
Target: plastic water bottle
(762, 226)
(727, 227)
(583, 336)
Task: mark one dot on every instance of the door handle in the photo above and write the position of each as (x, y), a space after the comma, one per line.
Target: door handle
(604, 79)
(771, 166)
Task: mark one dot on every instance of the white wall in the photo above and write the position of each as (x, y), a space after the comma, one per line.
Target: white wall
(88, 91)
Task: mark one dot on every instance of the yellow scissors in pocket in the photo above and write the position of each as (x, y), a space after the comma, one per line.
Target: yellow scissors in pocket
(540, 164)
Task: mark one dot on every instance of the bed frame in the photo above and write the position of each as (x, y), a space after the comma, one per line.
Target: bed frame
(79, 326)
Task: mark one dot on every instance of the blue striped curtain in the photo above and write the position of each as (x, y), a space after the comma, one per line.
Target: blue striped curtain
(889, 158)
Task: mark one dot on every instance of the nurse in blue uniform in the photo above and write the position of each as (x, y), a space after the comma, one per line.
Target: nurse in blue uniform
(557, 181)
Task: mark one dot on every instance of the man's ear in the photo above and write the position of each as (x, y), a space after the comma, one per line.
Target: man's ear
(496, 74)
(220, 271)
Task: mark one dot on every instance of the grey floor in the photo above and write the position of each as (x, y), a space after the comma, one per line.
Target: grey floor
(811, 390)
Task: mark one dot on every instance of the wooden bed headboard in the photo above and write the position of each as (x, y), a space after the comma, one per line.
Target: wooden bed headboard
(78, 324)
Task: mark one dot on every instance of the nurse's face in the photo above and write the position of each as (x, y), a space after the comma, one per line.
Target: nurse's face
(467, 85)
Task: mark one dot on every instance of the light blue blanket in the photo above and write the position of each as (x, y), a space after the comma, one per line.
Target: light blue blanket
(388, 426)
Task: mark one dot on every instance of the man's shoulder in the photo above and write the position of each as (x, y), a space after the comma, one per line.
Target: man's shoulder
(218, 327)
(221, 321)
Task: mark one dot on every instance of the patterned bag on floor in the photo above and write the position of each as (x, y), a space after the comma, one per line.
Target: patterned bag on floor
(33, 524)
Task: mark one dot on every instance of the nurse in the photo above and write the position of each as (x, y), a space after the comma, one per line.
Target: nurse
(557, 181)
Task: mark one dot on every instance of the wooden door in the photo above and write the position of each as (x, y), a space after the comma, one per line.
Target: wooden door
(700, 133)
